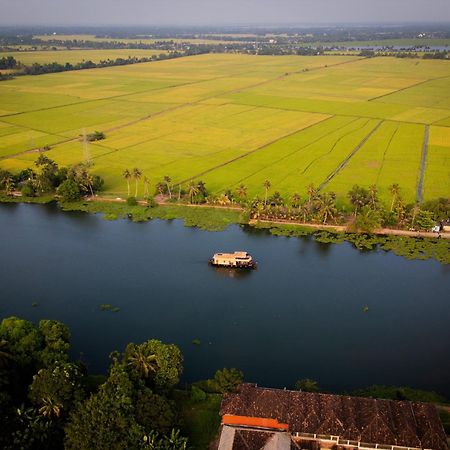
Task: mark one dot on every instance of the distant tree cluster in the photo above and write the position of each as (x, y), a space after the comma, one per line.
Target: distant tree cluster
(39, 69)
(8, 62)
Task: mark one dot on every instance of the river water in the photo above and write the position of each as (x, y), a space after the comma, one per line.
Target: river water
(300, 314)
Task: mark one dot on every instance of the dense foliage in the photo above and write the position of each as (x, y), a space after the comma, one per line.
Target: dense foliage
(69, 183)
(48, 401)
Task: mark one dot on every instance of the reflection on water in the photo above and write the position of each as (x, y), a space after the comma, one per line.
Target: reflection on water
(299, 315)
(228, 272)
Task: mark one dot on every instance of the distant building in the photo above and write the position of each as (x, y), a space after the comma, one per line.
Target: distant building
(257, 418)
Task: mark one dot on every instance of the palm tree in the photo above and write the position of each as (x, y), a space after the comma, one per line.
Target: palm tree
(327, 205)
(395, 191)
(304, 210)
(373, 195)
(223, 200)
(50, 408)
(89, 182)
(167, 180)
(415, 211)
(127, 175)
(136, 175)
(145, 364)
(295, 200)
(146, 185)
(267, 186)
(160, 188)
(193, 190)
(241, 192)
(9, 184)
(311, 190)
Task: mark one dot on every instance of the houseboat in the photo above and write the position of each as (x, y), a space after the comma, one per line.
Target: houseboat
(237, 259)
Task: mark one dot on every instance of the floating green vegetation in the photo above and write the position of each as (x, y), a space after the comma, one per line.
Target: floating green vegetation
(286, 230)
(108, 307)
(196, 341)
(35, 304)
(366, 308)
(40, 200)
(211, 219)
(406, 246)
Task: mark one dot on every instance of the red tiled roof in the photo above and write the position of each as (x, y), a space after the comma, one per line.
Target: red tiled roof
(359, 419)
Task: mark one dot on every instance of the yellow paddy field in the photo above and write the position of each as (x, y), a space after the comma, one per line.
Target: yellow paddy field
(228, 119)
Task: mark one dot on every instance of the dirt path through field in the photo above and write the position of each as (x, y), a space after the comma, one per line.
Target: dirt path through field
(423, 163)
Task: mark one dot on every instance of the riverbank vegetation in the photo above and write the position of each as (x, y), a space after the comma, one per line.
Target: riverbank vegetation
(302, 216)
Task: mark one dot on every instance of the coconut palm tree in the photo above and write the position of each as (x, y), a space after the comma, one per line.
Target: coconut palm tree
(127, 175)
(295, 200)
(193, 190)
(223, 200)
(304, 210)
(168, 182)
(145, 364)
(312, 191)
(373, 191)
(50, 408)
(327, 206)
(146, 185)
(136, 175)
(395, 191)
(89, 179)
(241, 192)
(160, 188)
(267, 186)
(9, 184)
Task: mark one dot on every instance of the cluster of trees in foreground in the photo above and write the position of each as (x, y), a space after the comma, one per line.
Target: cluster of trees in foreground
(70, 183)
(48, 401)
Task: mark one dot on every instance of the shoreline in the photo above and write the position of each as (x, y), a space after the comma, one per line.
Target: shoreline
(317, 226)
(411, 245)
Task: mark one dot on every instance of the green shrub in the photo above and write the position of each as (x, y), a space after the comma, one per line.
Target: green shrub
(228, 380)
(69, 191)
(131, 201)
(28, 189)
(197, 395)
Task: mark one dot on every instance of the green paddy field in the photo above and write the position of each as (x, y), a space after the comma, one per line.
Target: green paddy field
(229, 119)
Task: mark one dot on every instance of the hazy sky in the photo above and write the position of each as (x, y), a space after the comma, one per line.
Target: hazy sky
(211, 12)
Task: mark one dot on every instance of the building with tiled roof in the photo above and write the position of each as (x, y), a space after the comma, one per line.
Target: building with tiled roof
(257, 418)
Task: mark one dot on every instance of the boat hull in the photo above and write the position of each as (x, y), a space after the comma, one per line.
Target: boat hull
(251, 265)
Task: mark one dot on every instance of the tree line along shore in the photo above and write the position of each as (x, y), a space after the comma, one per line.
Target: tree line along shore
(401, 227)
